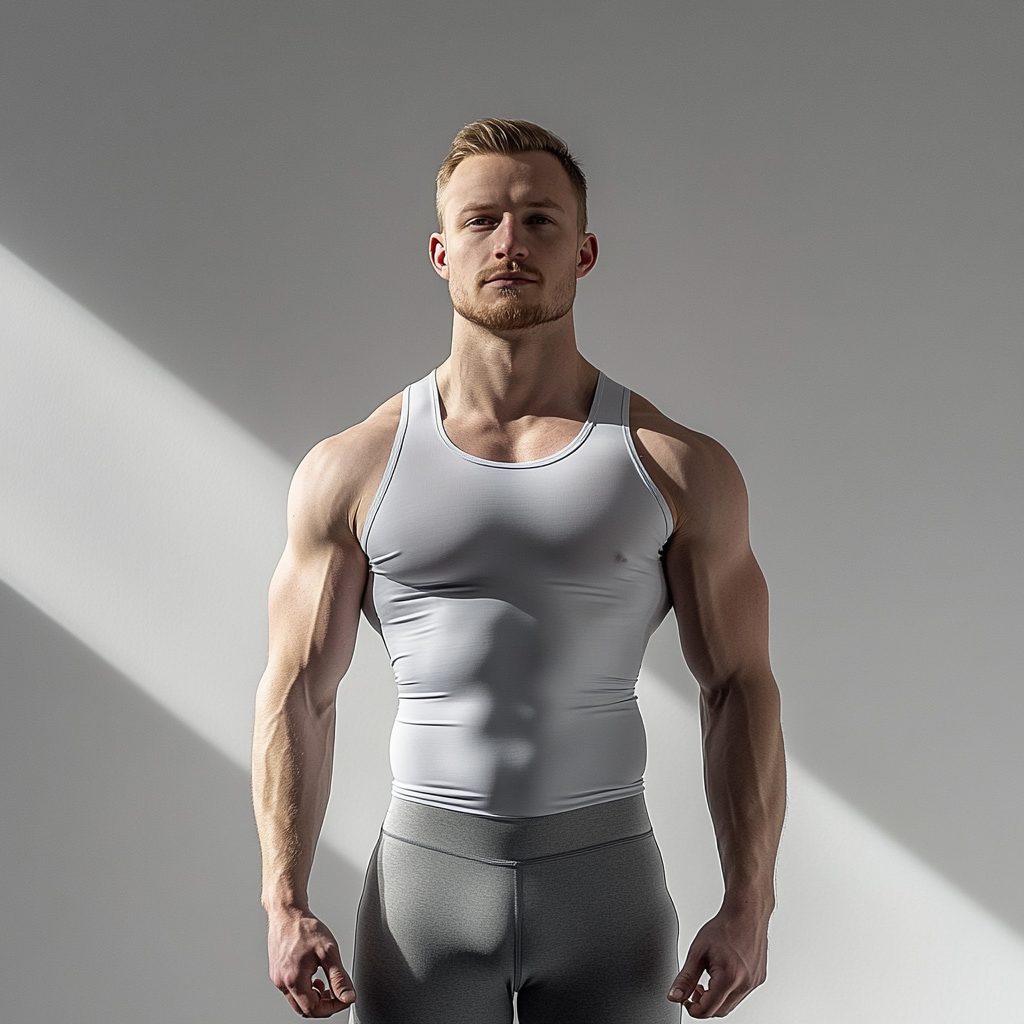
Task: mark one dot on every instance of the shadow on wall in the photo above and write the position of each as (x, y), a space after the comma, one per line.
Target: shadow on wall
(131, 866)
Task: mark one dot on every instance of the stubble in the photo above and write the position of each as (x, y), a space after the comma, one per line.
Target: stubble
(509, 309)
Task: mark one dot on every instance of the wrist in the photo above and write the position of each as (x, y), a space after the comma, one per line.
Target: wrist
(749, 899)
(284, 901)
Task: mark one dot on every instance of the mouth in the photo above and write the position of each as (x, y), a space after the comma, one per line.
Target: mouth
(506, 280)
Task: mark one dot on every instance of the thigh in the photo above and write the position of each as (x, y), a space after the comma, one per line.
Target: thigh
(599, 935)
(434, 939)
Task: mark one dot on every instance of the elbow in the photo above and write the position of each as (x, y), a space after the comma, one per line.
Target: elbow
(295, 697)
(751, 687)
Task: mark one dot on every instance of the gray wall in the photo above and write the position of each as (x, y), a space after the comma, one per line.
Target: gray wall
(811, 219)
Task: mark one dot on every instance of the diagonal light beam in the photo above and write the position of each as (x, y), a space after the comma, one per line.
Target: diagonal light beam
(147, 523)
(133, 512)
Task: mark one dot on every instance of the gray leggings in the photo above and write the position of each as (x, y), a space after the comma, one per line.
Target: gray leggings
(570, 911)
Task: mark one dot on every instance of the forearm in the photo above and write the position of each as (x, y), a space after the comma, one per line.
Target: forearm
(293, 747)
(745, 780)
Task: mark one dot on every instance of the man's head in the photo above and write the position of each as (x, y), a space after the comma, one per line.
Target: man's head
(511, 206)
(493, 135)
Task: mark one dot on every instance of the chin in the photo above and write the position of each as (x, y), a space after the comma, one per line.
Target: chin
(510, 313)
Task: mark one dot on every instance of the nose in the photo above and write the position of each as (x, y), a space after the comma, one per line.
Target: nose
(508, 241)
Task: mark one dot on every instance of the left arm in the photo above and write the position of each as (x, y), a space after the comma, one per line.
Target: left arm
(721, 605)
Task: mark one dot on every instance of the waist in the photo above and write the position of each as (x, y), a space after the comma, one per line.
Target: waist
(486, 838)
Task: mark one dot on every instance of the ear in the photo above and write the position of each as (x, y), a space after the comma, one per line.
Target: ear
(439, 255)
(586, 256)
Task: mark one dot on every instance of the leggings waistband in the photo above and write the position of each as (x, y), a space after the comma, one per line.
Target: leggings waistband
(516, 839)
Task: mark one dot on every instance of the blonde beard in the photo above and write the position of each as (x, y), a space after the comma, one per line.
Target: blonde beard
(511, 313)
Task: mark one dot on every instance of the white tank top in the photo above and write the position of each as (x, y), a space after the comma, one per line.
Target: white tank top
(515, 601)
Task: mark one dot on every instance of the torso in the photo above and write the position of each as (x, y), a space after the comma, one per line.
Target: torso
(516, 599)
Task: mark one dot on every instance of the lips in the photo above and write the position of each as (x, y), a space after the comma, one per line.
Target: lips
(511, 279)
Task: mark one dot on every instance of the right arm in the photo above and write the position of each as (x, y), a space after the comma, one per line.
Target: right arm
(315, 599)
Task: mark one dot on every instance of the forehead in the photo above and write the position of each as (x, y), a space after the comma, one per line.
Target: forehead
(517, 177)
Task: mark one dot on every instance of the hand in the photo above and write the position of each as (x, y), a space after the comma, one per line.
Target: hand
(298, 944)
(733, 948)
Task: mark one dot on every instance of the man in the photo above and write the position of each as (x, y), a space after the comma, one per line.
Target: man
(516, 525)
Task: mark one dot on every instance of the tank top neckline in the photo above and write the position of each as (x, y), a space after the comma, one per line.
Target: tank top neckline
(584, 432)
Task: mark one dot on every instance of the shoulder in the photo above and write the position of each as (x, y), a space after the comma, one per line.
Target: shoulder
(334, 484)
(696, 474)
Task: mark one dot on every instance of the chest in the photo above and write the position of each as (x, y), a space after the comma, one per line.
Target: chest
(459, 520)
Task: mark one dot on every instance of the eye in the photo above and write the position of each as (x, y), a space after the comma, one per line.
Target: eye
(479, 222)
(540, 218)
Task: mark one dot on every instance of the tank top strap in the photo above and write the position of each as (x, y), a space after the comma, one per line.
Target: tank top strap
(422, 397)
(414, 430)
(611, 402)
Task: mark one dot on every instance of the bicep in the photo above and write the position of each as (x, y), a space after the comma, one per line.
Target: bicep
(721, 606)
(317, 589)
(315, 597)
(718, 591)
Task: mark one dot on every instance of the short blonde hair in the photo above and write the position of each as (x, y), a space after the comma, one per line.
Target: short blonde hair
(495, 135)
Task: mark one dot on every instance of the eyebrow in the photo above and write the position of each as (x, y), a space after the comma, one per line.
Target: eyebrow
(533, 204)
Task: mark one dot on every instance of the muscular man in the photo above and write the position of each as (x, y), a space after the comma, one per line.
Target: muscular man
(516, 525)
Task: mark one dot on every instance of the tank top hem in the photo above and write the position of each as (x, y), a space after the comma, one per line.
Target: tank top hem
(624, 793)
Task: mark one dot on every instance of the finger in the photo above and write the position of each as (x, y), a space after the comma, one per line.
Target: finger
(302, 994)
(711, 1000)
(687, 978)
(695, 1007)
(328, 1005)
(321, 1002)
(327, 1008)
(738, 994)
(694, 999)
(323, 1007)
(293, 1004)
(341, 984)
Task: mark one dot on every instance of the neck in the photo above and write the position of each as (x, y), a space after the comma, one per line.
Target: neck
(504, 376)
